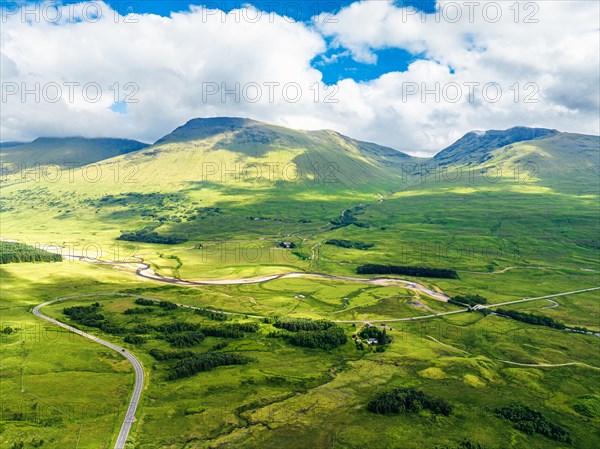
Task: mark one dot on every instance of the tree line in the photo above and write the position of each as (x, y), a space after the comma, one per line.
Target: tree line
(167, 305)
(186, 339)
(205, 362)
(349, 244)
(531, 421)
(135, 339)
(162, 355)
(407, 271)
(321, 334)
(178, 333)
(539, 320)
(329, 338)
(407, 400)
(149, 235)
(91, 317)
(302, 324)
(468, 300)
(13, 252)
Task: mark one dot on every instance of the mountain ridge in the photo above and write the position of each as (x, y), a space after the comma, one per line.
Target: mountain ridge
(73, 151)
(475, 146)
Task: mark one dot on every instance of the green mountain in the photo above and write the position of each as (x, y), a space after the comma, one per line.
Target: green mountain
(476, 147)
(224, 177)
(565, 162)
(231, 150)
(71, 151)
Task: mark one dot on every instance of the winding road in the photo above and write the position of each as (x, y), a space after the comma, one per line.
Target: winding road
(144, 270)
(137, 365)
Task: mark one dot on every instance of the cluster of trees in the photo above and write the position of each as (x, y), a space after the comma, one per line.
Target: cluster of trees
(349, 244)
(531, 421)
(186, 339)
(90, 316)
(204, 362)
(137, 311)
(142, 329)
(177, 326)
(329, 338)
(86, 315)
(539, 320)
(309, 333)
(468, 300)
(112, 328)
(135, 339)
(408, 271)
(13, 252)
(302, 324)
(162, 355)
(233, 330)
(168, 305)
(149, 235)
(215, 316)
(407, 400)
(230, 330)
(374, 332)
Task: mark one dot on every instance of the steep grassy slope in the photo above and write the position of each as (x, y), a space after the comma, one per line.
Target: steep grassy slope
(263, 179)
(237, 151)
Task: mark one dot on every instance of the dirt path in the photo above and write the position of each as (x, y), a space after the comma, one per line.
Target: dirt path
(548, 365)
(504, 270)
(448, 346)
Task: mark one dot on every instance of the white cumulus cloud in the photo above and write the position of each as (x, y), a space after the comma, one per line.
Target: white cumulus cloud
(533, 65)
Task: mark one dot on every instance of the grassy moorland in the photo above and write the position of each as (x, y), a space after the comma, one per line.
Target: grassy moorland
(507, 237)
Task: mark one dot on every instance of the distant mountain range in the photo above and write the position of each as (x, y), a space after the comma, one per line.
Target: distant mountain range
(221, 145)
(475, 147)
(72, 151)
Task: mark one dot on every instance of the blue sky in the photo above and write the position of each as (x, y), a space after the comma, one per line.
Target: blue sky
(335, 64)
